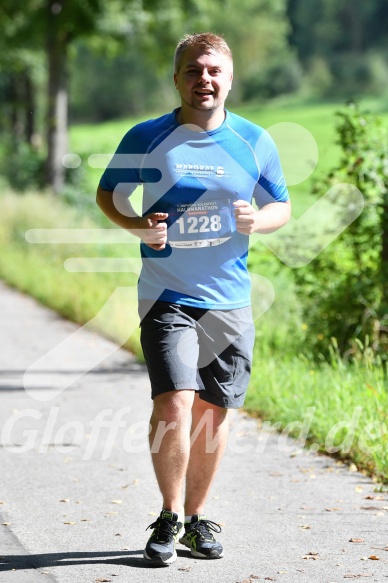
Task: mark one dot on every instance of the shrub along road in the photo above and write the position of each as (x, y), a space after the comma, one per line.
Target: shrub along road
(78, 489)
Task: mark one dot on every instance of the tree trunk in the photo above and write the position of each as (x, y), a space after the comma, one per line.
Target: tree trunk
(57, 139)
(29, 111)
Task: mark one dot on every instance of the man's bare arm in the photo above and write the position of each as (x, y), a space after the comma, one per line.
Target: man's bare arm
(151, 229)
(266, 220)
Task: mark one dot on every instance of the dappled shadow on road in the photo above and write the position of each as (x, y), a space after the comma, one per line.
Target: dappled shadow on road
(9, 376)
(124, 558)
(131, 369)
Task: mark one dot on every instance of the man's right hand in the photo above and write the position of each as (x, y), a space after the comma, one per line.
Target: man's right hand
(150, 229)
(154, 230)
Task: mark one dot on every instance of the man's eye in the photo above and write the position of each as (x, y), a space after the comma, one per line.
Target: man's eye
(216, 71)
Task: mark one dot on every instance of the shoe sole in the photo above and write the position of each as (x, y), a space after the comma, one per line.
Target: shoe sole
(158, 561)
(199, 555)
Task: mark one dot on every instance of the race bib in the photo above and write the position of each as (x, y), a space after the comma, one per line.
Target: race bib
(200, 224)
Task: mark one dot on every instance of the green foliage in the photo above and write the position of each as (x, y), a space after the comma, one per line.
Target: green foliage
(279, 77)
(349, 36)
(344, 290)
(137, 76)
(117, 86)
(21, 165)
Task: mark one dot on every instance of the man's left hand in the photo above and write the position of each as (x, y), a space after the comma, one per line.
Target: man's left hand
(246, 217)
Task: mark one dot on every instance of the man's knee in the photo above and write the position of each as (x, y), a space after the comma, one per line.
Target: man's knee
(173, 405)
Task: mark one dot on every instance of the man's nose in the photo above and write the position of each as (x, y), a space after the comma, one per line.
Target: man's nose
(204, 76)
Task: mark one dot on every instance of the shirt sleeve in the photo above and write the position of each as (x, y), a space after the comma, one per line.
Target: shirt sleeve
(271, 186)
(123, 171)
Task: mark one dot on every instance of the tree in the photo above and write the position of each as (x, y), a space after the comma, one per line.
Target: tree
(54, 25)
(63, 21)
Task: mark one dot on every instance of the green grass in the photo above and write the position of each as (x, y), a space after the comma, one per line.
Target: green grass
(348, 406)
(284, 382)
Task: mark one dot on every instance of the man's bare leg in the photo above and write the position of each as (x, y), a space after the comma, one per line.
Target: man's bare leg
(170, 444)
(210, 427)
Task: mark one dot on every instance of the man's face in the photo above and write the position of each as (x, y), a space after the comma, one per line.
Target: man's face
(204, 79)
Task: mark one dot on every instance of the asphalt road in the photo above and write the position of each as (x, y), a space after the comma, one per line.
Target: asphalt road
(78, 489)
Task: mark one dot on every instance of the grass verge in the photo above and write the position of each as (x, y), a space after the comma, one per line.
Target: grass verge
(350, 403)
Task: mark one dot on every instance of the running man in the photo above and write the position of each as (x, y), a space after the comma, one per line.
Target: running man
(200, 167)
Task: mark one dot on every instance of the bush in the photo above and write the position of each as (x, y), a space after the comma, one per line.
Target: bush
(280, 77)
(22, 165)
(344, 291)
(358, 74)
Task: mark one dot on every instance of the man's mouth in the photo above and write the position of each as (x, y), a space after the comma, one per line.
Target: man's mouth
(204, 92)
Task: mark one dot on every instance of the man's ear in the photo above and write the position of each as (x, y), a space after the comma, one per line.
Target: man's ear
(175, 81)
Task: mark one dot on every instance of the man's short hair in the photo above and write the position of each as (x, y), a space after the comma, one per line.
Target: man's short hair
(203, 40)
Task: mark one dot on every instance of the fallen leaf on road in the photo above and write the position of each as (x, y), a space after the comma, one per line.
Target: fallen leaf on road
(65, 500)
(103, 580)
(374, 558)
(313, 556)
(70, 522)
(117, 501)
(184, 569)
(356, 540)
(358, 489)
(354, 576)
(304, 526)
(370, 508)
(6, 523)
(332, 509)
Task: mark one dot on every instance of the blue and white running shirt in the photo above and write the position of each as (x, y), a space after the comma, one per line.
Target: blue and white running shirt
(195, 177)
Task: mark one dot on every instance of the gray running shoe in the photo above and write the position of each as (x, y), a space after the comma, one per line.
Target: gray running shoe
(160, 548)
(200, 540)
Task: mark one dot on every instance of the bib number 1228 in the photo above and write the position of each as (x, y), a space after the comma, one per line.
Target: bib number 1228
(202, 224)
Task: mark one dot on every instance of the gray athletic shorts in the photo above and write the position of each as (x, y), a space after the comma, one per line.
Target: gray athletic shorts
(209, 351)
